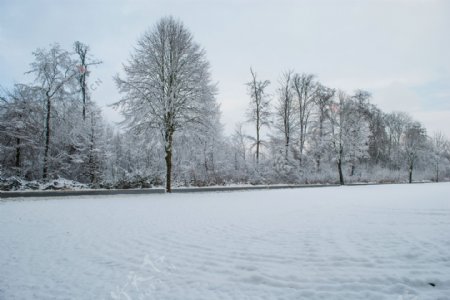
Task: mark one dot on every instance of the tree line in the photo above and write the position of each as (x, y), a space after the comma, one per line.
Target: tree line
(305, 132)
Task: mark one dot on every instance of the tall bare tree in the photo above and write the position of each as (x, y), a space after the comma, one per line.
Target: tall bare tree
(305, 89)
(286, 120)
(54, 70)
(166, 85)
(323, 101)
(259, 111)
(84, 61)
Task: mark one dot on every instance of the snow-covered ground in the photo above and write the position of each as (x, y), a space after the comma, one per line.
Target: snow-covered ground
(360, 242)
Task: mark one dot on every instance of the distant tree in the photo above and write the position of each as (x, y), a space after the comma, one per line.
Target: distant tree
(54, 71)
(414, 142)
(285, 114)
(396, 124)
(259, 111)
(20, 130)
(349, 133)
(378, 138)
(89, 133)
(166, 86)
(323, 103)
(199, 150)
(239, 147)
(95, 150)
(439, 146)
(305, 89)
(84, 61)
(338, 132)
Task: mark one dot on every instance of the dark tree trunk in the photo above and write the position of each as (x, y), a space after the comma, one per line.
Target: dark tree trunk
(437, 173)
(168, 158)
(257, 152)
(410, 172)
(82, 50)
(341, 175)
(287, 141)
(18, 154)
(47, 139)
(339, 163)
(83, 92)
(91, 168)
(321, 120)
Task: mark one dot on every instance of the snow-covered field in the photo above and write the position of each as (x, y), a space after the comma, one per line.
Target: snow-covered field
(363, 242)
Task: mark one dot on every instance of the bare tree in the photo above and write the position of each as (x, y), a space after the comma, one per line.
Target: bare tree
(396, 124)
(439, 146)
(259, 112)
(349, 132)
(84, 62)
(337, 129)
(305, 89)
(20, 130)
(54, 70)
(414, 142)
(240, 145)
(323, 101)
(285, 110)
(166, 84)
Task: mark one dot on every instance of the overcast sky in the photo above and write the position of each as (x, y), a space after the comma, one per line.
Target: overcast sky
(398, 50)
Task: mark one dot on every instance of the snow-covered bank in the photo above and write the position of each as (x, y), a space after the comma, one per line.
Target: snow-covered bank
(364, 242)
(97, 192)
(64, 192)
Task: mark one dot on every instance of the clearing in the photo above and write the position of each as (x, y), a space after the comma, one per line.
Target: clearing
(359, 242)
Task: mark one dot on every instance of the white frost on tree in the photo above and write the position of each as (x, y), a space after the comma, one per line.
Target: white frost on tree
(166, 85)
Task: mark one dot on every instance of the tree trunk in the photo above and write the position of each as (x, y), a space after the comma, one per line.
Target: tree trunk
(286, 154)
(437, 173)
(339, 164)
(341, 175)
(410, 172)
(92, 168)
(82, 50)
(168, 158)
(257, 137)
(257, 152)
(301, 142)
(83, 93)
(321, 120)
(47, 139)
(18, 154)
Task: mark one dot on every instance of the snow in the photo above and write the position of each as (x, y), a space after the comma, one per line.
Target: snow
(359, 242)
(19, 184)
